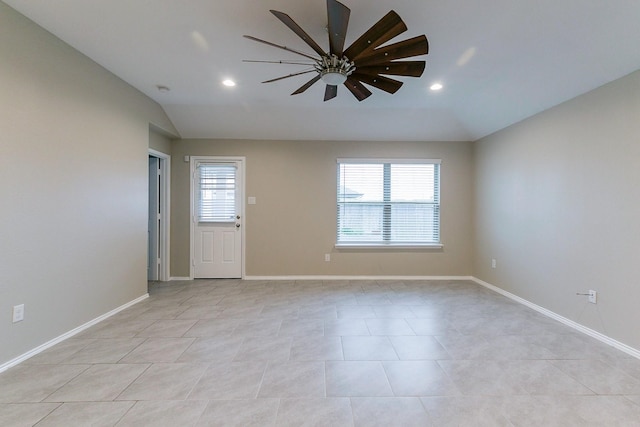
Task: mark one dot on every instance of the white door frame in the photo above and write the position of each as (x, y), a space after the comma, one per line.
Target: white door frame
(214, 159)
(165, 213)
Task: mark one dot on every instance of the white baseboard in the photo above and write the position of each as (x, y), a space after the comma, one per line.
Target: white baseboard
(575, 325)
(269, 278)
(173, 279)
(48, 344)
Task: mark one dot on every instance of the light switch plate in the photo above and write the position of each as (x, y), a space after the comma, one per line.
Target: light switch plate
(18, 313)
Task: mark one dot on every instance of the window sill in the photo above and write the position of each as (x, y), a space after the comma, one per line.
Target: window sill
(389, 246)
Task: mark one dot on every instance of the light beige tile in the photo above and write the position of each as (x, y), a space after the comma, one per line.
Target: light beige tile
(98, 383)
(474, 411)
(419, 378)
(24, 414)
(212, 327)
(165, 381)
(599, 376)
(389, 411)
(301, 327)
(280, 311)
(418, 348)
(329, 412)
(540, 377)
(33, 383)
(293, 379)
(393, 311)
(204, 300)
(428, 311)
(222, 348)
(164, 312)
(257, 327)
(372, 298)
(635, 399)
(98, 414)
(469, 347)
(318, 311)
(316, 348)
(241, 311)
(517, 347)
(167, 328)
(482, 378)
(388, 326)
(230, 380)
(240, 413)
(431, 326)
(200, 312)
(109, 350)
(477, 359)
(264, 348)
(345, 327)
(113, 328)
(355, 312)
(59, 352)
(156, 350)
(350, 378)
(164, 413)
(368, 348)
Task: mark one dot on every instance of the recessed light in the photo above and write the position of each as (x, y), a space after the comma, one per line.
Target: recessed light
(436, 86)
(229, 83)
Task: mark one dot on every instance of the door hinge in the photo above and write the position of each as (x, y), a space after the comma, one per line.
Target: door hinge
(193, 262)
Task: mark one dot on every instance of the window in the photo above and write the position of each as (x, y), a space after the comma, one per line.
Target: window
(216, 192)
(386, 203)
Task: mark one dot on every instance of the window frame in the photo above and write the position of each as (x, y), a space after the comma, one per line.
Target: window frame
(386, 244)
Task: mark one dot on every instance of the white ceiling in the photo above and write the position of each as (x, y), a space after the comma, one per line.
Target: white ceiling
(500, 61)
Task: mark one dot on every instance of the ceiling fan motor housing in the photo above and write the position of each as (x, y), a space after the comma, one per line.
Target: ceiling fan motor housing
(334, 71)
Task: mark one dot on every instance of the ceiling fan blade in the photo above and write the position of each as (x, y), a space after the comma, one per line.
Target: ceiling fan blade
(381, 32)
(404, 49)
(255, 39)
(290, 75)
(330, 92)
(338, 18)
(357, 89)
(286, 19)
(278, 62)
(307, 85)
(383, 83)
(398, 68)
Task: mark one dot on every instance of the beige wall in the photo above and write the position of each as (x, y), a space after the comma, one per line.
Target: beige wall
(159, 141)
(557, 202)
(293, 223)
(73, 186)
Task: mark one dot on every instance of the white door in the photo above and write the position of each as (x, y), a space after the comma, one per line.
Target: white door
(153, 247)
(217, 217)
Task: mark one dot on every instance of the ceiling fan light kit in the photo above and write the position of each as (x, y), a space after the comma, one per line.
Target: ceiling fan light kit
(334, 71)
(362, 62)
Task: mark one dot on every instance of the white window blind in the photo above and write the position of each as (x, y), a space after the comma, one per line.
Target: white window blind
(388, 202)
(216, 192)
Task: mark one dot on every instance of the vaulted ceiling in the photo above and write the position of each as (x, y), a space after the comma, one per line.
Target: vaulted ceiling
(500, 61)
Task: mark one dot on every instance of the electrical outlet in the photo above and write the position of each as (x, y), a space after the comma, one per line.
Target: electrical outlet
(494, 263)
(18, 313)
(327, 257)
(593, 297)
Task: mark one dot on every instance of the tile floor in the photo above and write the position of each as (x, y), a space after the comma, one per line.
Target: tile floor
(335, 353)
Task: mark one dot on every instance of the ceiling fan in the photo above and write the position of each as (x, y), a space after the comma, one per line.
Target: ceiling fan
(362, 62)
